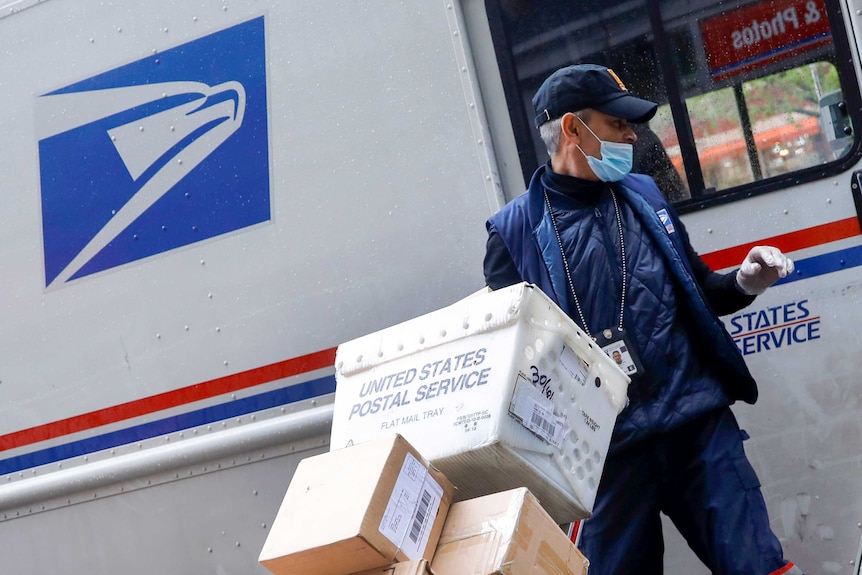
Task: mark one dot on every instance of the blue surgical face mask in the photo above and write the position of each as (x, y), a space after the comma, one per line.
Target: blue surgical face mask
(616, 162)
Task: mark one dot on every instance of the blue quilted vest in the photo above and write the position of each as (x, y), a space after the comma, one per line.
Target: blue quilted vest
(527, 230)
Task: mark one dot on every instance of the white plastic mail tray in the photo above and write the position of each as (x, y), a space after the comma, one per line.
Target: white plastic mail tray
(499, 390)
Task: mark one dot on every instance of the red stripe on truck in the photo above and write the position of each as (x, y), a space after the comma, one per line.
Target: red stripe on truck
(169, 399)
(789, 242)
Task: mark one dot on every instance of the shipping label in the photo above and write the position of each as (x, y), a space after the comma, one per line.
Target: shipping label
(412, 509)
(531, 406)
(573, 365)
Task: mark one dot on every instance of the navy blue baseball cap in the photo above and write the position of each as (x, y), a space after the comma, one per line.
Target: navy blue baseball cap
(583, 86)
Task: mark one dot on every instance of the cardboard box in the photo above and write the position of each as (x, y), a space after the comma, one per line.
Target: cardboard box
(500, 390)
(350, 510)
(418, 567)
(505, 533)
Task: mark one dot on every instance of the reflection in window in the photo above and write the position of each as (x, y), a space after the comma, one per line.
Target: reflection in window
(720, 140)
(763, 128)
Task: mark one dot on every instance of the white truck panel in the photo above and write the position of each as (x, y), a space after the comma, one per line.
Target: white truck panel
(135, 370)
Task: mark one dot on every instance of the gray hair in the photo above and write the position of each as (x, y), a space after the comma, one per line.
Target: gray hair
(550, 131)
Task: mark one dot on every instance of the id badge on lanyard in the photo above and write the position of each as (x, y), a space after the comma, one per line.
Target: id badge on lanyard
(613, 342)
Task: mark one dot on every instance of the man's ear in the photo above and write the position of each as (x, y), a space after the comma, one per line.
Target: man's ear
(571, 127)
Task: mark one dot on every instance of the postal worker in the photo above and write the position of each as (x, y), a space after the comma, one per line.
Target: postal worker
(608, 248)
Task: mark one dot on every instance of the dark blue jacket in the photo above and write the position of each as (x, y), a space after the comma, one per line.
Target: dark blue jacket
(677, 287)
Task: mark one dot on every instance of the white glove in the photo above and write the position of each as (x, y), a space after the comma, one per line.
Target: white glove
(762, 267)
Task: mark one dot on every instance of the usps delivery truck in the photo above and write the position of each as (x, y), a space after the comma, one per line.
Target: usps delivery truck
(199, 201)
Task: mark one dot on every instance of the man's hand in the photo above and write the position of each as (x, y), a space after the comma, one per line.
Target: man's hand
(762, 267)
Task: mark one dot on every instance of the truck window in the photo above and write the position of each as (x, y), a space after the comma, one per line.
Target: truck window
(753, 95)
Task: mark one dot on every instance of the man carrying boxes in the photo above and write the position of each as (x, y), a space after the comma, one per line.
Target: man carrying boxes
(610, 250)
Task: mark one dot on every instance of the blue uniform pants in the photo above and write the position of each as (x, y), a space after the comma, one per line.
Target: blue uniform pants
(699, 476)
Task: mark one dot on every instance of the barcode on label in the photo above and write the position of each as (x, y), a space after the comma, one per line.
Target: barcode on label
(412, 507)
(421, 514)
(538, 420)
(546, 425)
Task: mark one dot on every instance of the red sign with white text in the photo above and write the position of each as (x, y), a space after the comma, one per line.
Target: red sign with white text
(762, 33)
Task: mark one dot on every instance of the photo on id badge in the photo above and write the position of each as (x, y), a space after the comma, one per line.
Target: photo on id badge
(621, 356)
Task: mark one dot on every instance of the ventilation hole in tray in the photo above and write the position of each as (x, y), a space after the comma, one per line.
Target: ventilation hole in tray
(466, 324)
(591, 483)
(578, 455)
(442, 333)
(380, 353)
(540, 345)
(400, 347)
(359, 358)
(488, 316)
(597, 457)
(588, 463)
(580, 473)
(568, 463)
(585, 447)
(421, 340)
(529, 353)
